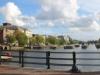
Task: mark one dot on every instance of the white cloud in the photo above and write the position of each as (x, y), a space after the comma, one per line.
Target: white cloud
(50, 24)
(57, 9)
(64, 12)
(95, 26)
(55, 14)
(90, 5)
(13, 15)
(83, 22)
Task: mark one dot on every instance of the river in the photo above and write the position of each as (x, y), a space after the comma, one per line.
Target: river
(91, 48)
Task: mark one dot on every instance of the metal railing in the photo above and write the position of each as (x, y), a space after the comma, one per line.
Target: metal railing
(47, 58)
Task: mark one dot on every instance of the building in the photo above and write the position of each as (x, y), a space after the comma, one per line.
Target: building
(9, 29)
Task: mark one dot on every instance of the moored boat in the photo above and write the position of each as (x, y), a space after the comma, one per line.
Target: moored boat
(84, 46)
(37, 47)
(77, 45)
(52, 47)
(97, 46)
(68, 47)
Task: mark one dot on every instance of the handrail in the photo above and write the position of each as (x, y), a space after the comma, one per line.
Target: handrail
(97, 65)
(74, 65)
(87, 58)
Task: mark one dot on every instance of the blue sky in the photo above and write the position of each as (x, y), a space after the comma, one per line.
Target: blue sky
(78, 18)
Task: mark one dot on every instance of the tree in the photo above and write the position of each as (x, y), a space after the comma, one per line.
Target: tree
(1, 27)
(40, 39)
(21, 38)
(51, 40)
(61, 41)
(32, 41)
(11, 39)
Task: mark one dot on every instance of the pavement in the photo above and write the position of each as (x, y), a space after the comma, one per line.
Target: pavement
(8, 70)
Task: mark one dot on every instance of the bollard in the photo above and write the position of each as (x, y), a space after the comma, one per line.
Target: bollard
(48, 59)
(74, 67)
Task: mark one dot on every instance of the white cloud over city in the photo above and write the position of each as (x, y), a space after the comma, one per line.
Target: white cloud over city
(61, 13)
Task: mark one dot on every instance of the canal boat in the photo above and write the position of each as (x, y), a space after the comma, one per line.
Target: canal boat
(68, 47)
(97, 46)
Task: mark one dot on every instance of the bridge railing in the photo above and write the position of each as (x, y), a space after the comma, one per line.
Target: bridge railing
(21, 59)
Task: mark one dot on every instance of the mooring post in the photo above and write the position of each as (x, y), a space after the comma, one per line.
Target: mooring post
(74, 67)
(48, 59)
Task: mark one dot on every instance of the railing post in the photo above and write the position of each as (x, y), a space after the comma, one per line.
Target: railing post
(1, 49)
(48, 59)
(74, 67)
(22, 58)
(0, 55)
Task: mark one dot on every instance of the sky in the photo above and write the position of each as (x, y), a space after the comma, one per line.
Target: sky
(79, 19)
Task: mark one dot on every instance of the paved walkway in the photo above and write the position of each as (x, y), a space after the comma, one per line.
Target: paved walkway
(6, 70)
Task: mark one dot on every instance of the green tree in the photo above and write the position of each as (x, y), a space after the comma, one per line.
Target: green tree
(11, 39)
(61, 41)
(51, 40)
(21, 38)
(40, 39)
(32, 40)
(1, 27)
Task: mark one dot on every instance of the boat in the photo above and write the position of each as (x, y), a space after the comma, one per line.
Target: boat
(84, 46)
(53, 47)
(68, 47)
(77, 45)
(97, 46)
(37, 47)
(27, 47)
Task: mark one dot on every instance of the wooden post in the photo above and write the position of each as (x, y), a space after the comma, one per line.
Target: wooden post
(48, 59)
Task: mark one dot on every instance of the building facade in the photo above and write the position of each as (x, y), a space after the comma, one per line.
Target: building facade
(9, 29)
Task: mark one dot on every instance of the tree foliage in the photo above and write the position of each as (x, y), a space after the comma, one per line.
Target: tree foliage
(21, 38)
(51, 40)
(61, 41)
(37, 40)
(32, 40)
(11, 39)
(40, 39)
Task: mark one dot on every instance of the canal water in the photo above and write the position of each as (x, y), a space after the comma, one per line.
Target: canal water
(91, 48)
